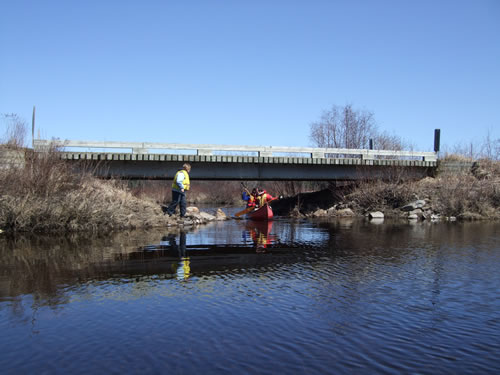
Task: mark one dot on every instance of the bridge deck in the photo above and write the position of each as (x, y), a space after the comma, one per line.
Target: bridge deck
(218, 167)
(96, 156)
(318, 164)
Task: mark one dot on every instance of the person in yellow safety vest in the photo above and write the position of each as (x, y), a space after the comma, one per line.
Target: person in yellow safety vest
(263, 197)
(180, 185)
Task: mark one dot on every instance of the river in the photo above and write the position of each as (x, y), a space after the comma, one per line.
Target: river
(292, 297)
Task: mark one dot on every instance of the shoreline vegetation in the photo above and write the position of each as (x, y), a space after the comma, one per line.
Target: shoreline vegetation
(41, 193)
(471, 194)
(44, 195)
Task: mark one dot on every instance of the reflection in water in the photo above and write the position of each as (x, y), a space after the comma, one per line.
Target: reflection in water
(49, 265)
(260, 234)
(183, 270)
(343, 296)
(44, 267)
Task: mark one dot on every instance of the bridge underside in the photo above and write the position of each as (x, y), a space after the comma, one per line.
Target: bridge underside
(255, 169)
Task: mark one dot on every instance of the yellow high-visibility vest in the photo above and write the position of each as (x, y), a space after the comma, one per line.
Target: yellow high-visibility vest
(261, 199)
(185, 182)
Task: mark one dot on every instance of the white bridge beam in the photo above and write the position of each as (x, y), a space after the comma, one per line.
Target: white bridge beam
(210, 149)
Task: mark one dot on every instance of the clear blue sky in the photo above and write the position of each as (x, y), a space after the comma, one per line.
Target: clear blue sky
(250, 72)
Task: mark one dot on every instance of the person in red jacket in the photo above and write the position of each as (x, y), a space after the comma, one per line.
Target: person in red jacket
(263, 197)
(250, 197)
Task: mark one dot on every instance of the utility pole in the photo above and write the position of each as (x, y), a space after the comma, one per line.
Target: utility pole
(33, 128)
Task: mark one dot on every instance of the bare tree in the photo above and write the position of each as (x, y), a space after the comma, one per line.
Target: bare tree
(346, 127)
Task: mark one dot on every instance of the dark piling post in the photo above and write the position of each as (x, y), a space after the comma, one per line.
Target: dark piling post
(437, 140)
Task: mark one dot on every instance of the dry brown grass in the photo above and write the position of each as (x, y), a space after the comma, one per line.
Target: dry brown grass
(46, 195)
(201, 192)
(456, 157)
(381, 195)
(463, 195)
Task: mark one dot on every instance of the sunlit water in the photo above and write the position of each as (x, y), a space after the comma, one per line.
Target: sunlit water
(327, 297)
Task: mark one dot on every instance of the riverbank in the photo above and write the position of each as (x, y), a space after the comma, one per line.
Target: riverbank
(44, 195)
(467, 195)
(97, 206)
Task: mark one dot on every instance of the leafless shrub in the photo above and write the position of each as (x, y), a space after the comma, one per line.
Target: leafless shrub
(465, 195)
(96, 206)
(15, 132)
(46, 194)
(155, 190)
(461, 194)
(43, 175)
(385, 141)
(487, 149)
(454, 157)
(292, 188)
(201, 192)
(382, 195)
(490, 148)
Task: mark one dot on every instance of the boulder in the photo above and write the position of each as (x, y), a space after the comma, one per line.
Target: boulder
(187, 222)
(296, 213)
(331, 211)
(220, 215)
(345, 212)
(319, 213)
(376, 215)
(417, 212)
(206, 216)
(420, 203)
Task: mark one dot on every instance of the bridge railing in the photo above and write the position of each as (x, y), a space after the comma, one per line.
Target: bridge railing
(210, 149)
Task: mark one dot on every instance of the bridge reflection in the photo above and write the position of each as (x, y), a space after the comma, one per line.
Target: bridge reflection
(50, 270)
(172, 257)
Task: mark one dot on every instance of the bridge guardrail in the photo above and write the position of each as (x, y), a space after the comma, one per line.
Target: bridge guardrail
(262, 151)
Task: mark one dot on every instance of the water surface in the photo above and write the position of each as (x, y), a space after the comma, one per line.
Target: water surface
(326, 297)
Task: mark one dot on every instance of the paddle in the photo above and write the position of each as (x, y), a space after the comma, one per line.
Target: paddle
(245, 211)
(245, 188)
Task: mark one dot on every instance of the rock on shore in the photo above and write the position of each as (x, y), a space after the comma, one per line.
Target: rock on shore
(196, 217)
(417, 210)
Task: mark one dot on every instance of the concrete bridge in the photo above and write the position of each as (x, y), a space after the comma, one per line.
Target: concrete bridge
(133, 160)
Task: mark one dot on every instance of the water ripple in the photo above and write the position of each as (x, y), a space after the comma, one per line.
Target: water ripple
(344, 299)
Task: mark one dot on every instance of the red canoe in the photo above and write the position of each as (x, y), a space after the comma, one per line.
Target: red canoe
(263, 213)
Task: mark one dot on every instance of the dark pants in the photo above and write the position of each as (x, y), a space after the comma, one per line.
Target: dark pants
(181, 248)
(178, 198)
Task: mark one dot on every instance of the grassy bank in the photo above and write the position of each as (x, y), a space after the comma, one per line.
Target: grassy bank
(45, 195)
(467, 195)
(472, 194)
